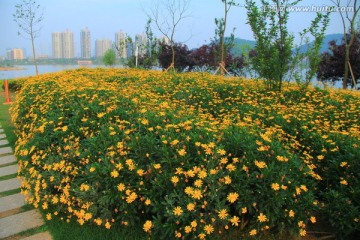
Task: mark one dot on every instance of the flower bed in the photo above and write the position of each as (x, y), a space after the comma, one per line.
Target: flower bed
(188, 155)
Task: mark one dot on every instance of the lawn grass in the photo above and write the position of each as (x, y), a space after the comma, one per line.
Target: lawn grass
(5, 119)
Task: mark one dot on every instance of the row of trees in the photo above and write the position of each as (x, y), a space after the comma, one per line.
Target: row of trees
(273, 58)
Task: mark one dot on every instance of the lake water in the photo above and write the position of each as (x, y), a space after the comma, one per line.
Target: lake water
(29, 70)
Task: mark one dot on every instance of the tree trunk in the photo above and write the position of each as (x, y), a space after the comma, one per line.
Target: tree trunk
(173, 56)
(346, 66)
(34, 54)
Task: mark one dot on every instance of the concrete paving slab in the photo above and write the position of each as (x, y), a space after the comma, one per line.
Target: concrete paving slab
(10, 184)
(5, 150)
(7, 159)
(4, 142)
(4, 171)
(20, 222)
(11, 202)
(39, 236)
(2, 136)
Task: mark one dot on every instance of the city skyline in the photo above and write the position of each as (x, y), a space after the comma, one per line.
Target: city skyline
(104, 18)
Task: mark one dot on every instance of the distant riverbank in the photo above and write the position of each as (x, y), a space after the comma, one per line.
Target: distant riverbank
(11, 68)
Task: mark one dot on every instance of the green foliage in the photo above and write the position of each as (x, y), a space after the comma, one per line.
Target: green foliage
(273, 59)
(109, 57)
(306, 64)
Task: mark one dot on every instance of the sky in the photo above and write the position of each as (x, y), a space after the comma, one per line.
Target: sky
(105, 17)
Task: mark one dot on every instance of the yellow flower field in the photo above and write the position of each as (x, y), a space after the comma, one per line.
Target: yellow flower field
(188, 155)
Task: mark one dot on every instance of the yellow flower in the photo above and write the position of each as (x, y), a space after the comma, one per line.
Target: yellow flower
(174, 142)
(147, 202)
(48, 216)
(84, 187)
(202, 236)
(114, 174)
(227, 180)
(208, 229)
(65, 128)
(231, 167)
(107, 225)
(131, 198)
(343, 164)
(235, 221)
(98, 221)
(121, 187)
(196, 194)
(282, 159)
(260, 164)
(222, 152)
(188, 229)
(157, 166)
(291, 213)
(244, 210)
(232, 197)
(182, 152)
(147, 226)
(202, 174)
(100, 115)
(253, 232)
(344, 182)
(302, 232)
(92, 169)
(313, 219)
(262, 218)
(193, 224)
(198, 183)
(190, 206)
(275, 186)
(177, 211)
(223, 214)
(174, 180)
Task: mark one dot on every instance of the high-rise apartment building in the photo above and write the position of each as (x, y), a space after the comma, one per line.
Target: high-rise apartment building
(56, 45)
(85, 42)
(63, 44)
(15, 54)
(101, 46)
(121, 44)
(141, 44)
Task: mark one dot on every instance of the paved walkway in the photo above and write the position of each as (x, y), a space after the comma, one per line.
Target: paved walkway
(14, 220)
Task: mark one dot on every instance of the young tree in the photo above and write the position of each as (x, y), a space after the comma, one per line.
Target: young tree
(221, 24)
(273, 58)
(167, 15)
(109, 57)
(348, 17)
(28, 17)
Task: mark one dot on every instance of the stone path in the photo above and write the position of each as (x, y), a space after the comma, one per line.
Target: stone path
(13, 219)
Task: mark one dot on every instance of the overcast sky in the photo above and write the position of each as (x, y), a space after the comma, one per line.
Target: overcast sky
(105, 17)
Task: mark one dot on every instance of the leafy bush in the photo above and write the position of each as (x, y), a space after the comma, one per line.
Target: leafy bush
(187, 155)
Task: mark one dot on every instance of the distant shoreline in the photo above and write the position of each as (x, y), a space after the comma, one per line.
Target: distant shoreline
(11, 68)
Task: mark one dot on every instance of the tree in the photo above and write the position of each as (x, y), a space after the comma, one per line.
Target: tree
(109, 57)
(273, 58)
(349, 16)
(182, 56)
(204, 58)
(28, 19)
(331, 67)
(220, 33)
(167, 15)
